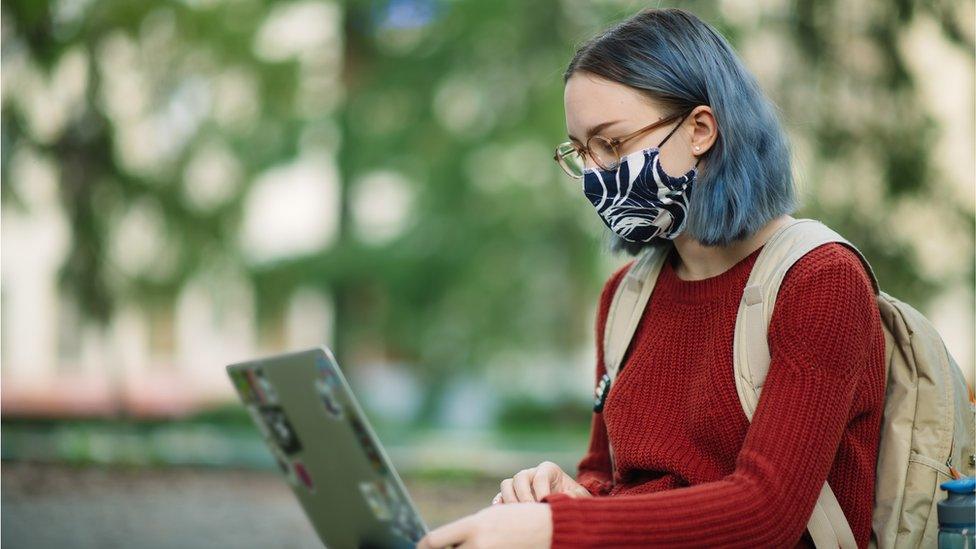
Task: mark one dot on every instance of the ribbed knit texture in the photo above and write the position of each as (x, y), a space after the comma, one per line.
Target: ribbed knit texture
(691, 470)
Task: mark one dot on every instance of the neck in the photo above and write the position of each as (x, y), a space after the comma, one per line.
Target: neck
(698, 261)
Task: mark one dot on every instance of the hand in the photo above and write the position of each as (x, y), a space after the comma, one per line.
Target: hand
(523, 525)
(533, 484)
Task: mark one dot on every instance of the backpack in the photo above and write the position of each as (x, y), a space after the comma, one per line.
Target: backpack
(927, 433)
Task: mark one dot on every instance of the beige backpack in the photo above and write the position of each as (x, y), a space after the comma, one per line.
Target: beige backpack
(927, 434)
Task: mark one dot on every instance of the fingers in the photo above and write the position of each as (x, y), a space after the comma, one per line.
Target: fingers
(508, 492)
(580, 491)
(530, 485)
(546, 476)
(450, 534)
(522, 483)
(575, 489)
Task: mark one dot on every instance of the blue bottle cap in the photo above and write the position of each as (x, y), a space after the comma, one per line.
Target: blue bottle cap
(965, 485)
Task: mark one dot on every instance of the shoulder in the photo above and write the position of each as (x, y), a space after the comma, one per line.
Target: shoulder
(827, 269)
(826, 308)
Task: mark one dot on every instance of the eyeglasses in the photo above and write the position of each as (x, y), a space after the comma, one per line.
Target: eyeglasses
(605, 152)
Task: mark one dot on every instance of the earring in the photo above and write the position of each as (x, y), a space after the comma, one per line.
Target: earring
(697, 148)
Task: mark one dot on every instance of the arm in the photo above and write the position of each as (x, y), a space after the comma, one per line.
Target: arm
(594, 470)
(821, 337)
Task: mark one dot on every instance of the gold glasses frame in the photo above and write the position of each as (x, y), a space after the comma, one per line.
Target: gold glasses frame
(609, 146)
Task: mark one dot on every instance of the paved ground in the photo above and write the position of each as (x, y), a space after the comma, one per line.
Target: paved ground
(57, 506)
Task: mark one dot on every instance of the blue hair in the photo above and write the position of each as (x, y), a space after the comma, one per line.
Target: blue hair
(680, 61)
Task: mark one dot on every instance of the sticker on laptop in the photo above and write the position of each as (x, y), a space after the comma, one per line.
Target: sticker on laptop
(243, 385)
(267, 391)
(283, 463)
(386, 505)
(303, 476)
(252, 380)
(258, 419)
(327, 389)
(322, 365)
(405, 523)
(406, 526)
(282, 433)
(285, 468)
(378, 504)
(366, 443)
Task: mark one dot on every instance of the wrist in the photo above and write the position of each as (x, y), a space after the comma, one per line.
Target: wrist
(546, 525)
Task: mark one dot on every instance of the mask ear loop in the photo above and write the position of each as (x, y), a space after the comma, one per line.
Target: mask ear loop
(674, 129)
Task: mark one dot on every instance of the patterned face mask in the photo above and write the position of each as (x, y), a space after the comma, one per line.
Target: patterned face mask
(637, 199)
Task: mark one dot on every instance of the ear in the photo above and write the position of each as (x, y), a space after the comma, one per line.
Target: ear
(704, 130)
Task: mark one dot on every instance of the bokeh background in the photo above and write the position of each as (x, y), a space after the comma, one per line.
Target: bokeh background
(187, 184)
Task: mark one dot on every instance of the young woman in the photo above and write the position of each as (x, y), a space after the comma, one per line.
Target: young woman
(676, 145)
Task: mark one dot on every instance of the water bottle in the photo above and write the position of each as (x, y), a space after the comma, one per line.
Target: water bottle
(957, 514)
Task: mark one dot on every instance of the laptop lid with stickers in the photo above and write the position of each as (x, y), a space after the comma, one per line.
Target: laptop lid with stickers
(327, 451)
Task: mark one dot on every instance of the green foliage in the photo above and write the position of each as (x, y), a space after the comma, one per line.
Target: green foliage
(865, 109)
(500, 251)
(525, 415)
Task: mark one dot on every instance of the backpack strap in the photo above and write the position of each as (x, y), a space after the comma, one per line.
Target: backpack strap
(628, 305)
(827, 526)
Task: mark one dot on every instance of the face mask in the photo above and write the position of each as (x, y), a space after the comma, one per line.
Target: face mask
(637, 200)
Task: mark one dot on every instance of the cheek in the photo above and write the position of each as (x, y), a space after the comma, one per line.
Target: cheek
(675, 161)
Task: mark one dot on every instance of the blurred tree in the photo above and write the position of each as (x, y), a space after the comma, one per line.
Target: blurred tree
(462, 101)
(853, 95)
(100, 179)
(455, 106)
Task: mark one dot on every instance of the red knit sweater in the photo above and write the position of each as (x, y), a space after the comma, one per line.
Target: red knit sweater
(691, 470)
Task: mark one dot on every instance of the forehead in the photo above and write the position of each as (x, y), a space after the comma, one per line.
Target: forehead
(590, 100)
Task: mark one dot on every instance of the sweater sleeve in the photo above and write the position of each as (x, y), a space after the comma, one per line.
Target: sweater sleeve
(594, 471)
(820, 339)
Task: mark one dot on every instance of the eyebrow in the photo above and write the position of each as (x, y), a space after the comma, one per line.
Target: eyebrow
(595, 129)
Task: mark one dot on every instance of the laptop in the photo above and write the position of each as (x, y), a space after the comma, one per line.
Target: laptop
(327, 451)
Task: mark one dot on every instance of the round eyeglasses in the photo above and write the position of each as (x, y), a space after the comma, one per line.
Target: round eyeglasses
(603, 151)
